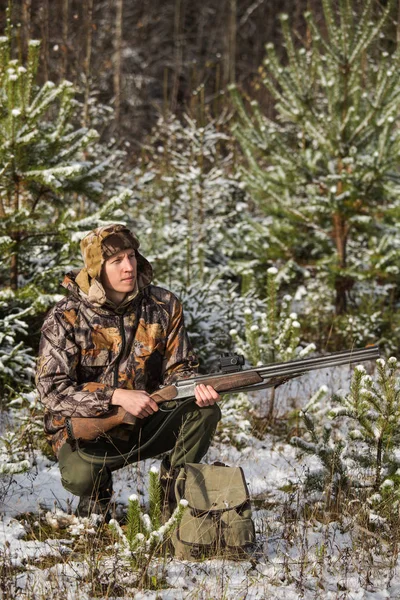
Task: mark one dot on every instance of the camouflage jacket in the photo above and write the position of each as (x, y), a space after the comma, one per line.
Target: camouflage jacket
(88, 350)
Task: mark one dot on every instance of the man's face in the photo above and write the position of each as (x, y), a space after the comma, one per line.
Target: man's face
(119, 274)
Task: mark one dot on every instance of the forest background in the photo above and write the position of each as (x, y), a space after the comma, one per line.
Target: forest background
(254, 148)
(170, 117)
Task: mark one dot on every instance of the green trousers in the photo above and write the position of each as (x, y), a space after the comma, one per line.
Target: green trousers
(187, 434)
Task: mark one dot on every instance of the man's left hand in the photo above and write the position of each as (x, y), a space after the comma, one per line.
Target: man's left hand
(205, 395)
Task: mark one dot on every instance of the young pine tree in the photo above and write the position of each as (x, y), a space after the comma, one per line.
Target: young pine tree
(358, 447)
(40, 154)
(325, 167)
(51, 192)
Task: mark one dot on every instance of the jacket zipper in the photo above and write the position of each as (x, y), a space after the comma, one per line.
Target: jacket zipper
(123, 343)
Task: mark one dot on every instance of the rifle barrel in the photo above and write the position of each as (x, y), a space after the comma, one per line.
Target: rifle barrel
(331, 360)
(297, 367)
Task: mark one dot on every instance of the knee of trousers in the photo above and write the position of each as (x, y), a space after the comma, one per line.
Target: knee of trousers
(210, 415)
(82, 478)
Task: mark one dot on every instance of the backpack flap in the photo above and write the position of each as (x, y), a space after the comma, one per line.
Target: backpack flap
(214, 488)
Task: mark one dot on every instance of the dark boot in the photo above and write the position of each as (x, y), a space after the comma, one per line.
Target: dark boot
(167, 481)
(100, 504)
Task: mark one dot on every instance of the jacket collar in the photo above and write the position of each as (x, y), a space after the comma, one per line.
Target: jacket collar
(91, 291)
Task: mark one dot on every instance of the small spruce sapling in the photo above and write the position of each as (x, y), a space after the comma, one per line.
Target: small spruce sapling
(155, 498)
(332, 478)
(13, 454)
(361, 456)
(144, 534)
(373, 409)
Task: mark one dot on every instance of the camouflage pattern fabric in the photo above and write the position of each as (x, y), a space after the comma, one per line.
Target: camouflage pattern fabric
(89, 347)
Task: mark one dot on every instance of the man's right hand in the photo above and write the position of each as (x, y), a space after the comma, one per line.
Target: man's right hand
(136, 402)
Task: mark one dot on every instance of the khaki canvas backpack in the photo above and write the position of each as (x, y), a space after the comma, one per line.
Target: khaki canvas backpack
(217, 521)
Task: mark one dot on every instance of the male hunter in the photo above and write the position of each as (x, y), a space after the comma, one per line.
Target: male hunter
(113, 340)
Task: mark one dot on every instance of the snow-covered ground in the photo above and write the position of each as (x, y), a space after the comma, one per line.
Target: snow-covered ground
(296, 555)
(292, 559)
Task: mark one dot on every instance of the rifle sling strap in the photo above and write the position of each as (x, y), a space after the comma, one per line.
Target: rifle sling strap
(135, 452)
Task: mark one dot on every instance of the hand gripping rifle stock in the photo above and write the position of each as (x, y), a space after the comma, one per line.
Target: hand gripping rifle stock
(231, 379)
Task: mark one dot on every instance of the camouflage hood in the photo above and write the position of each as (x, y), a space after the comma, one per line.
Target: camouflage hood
(99, 245)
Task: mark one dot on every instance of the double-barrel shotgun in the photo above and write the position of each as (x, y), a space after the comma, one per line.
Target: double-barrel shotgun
(232, 377)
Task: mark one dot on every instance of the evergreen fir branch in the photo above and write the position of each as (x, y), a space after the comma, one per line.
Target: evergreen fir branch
(346, 25)
(155, 498)
(318, 39)
(52, 93)
(52, 177)
(282, 77)
(82, 138)
(161, 534)
(32, 67)
(368, 30)
(24, 139)
(309, 447)
(65, 111)
(360, 33)
(146, 524)
(332, 28)
(261, 122)
(292, 55)
(343, 411)
(39, 98)
(239, 105)
(319, 134)
(133, 520)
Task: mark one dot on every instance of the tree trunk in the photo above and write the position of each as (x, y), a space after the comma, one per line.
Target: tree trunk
(342, 284)
(65, 14)
(88, 54)
(26, 24)
(340, 234)
(178, 54)
(229, 75)
(15, 236)
(14, 269)
(44, 26)
(118, 62)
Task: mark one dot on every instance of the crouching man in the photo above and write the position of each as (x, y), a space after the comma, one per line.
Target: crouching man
(113, 340)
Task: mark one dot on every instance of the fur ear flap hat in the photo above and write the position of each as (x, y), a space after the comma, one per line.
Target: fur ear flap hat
(102, 243)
